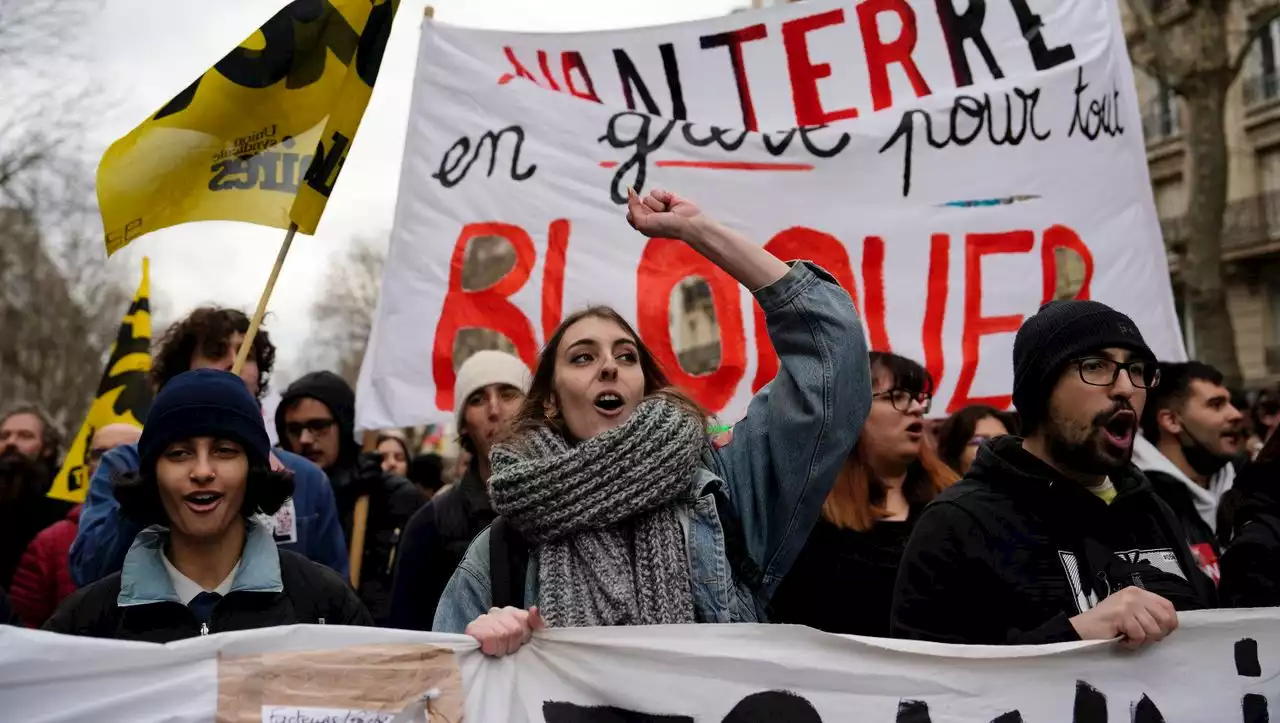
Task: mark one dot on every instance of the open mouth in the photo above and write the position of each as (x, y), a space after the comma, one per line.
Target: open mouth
(609, 403)
(1120, 427)
(203, 502)
(916, 427)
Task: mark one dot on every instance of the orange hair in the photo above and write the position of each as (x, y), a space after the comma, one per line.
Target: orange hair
(856, 502)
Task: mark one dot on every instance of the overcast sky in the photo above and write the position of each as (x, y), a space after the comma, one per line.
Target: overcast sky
(145, 51)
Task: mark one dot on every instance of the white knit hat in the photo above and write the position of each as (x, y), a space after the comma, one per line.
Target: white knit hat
(484, 368)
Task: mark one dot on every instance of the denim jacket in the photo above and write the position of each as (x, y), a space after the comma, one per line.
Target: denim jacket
(777, 470)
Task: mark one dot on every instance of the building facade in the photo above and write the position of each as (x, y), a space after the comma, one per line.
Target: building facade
(1251, 231)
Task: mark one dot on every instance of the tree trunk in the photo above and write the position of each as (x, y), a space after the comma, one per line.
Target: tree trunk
(1206, 140)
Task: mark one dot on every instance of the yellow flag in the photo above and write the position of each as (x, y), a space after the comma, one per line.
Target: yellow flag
(124, 394)
(261, 136)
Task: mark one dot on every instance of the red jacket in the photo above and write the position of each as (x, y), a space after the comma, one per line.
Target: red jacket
(43, 580)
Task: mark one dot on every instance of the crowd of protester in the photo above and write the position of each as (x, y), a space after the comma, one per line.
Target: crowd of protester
(1118, 491)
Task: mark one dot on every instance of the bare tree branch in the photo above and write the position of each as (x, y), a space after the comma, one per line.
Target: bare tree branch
(342, 318)
(1154, 44)
(1258, 26)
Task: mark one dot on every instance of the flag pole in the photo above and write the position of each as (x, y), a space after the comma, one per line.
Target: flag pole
(249, 335)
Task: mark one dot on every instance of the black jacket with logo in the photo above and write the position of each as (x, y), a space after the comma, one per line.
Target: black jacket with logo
(312, 594)
(1012, 552)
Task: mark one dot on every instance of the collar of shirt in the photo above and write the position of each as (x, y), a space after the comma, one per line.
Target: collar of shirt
(187, 589)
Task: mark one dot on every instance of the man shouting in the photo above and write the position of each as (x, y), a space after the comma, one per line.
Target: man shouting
(1056, 537)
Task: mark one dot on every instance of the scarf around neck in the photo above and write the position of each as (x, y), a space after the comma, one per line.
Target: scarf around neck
(601, 516)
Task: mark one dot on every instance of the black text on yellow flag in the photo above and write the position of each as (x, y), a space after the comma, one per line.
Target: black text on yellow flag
(261, 136)
(123, 396)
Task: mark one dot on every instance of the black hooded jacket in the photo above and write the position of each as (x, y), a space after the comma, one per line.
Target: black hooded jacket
(392, 499)
(1251, 564)
(332, 391)
(1015, 550)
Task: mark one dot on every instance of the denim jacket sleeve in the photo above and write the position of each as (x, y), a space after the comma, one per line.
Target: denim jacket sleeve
(798, 430)
(104, 535)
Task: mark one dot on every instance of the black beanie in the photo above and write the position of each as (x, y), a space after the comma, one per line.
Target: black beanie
(332, 391)
(1052, 337)
(204, 403)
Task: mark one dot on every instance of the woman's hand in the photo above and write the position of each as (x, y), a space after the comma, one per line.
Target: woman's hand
(502, 631)
(662, 214)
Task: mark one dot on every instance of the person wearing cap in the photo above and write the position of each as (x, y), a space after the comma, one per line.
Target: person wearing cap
(316, 418)
(1057, 536)
(203, 563)
(489, 390)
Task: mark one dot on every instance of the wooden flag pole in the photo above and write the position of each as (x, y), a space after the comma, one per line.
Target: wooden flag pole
(360, 521)
(249, 335)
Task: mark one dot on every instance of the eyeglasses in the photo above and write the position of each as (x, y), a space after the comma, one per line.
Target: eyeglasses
(901, 399)
(1103, 372)
(314, 426)
(978, 441)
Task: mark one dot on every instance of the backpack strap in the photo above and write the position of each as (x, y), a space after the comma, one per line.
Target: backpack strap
(508, 564)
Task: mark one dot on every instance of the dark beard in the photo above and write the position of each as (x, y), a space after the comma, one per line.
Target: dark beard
(1203, 461)
(1090, 456)
(21, 478)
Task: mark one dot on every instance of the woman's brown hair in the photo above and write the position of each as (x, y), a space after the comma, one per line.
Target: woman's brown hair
(533, 413)
(856, 502)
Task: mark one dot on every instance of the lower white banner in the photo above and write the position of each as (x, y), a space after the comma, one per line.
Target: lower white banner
(1220, 666)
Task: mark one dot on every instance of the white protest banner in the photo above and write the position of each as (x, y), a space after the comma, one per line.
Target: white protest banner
(1220, 666)
(945, 159)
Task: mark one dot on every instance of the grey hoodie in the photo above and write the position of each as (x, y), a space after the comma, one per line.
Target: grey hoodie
(1150, 459)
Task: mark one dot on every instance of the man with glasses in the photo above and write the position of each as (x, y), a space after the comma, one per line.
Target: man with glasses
(1056, 536)
(316, 419)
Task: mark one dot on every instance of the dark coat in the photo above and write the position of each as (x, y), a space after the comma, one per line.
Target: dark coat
(1251, 564)
(392, 499)
(271, 587)
(1015, 550)
(431, 547)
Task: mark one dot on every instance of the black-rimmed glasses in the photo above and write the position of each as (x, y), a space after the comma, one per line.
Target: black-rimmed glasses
(1103, 372)
(901, 399)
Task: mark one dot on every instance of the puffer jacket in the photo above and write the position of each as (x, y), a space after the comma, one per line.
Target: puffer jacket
(43, 578)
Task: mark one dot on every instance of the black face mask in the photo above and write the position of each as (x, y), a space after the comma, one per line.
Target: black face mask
(1197, 454)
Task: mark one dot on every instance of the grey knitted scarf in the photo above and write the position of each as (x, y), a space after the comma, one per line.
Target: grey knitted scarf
(601, 516)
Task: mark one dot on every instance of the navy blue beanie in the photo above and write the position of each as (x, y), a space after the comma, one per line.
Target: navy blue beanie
(204, 403)
(1052, 337)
